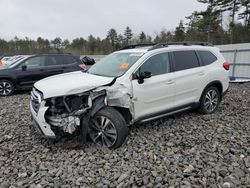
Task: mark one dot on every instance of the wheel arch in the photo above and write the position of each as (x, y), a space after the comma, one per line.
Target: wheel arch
(218, 84)
(125, 112)
(9, 79)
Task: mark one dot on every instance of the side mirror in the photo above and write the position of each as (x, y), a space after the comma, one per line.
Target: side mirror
(24, 67)
(143, 75)
(88, 61)
(147, 74)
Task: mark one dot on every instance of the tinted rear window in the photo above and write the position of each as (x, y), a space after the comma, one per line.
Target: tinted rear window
(207, 57)
(66, 59)
(61, 60)
(185, 60)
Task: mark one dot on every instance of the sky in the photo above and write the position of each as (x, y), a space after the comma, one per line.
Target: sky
(70, 19)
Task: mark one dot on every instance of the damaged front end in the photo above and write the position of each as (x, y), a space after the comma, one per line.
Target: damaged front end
(62, 114)
(71, 114)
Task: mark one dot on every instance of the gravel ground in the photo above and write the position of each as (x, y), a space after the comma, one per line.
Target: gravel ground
(186, 150)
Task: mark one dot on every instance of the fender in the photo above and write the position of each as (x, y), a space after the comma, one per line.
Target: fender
(8, 78)
(13, 80)
(98, 104)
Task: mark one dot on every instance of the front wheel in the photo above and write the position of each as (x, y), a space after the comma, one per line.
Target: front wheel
(108, 128)
(6, 87)
(210, 100)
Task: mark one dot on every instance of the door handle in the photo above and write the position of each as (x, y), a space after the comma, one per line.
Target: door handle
(169, 82)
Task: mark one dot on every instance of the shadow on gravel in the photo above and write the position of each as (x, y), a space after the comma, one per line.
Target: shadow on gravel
(23, 92)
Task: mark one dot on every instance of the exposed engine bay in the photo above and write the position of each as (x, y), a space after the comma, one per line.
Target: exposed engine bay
(65, 112)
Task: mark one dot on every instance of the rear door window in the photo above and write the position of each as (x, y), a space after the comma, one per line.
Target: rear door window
(207, 57)
(185, 60)
(60, 60)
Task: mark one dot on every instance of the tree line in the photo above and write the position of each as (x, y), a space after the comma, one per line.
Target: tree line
(223, 22)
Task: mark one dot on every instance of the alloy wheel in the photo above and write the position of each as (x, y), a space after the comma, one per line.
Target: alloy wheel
(211, 100)
(5, 88)
(102, 131)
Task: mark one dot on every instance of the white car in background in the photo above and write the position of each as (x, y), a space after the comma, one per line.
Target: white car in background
(133, 85)
(4, 60)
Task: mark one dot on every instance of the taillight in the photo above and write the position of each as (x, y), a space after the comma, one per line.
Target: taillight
(82, 66)
(226, 65)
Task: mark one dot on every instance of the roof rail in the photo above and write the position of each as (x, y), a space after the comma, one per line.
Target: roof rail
(136, 45)
(163, 45)
(54, 53)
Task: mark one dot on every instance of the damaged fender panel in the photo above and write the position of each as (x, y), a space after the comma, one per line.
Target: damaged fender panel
(120, 94)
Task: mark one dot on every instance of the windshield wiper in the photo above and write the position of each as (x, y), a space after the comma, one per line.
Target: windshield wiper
(85, 70)
(95, 74)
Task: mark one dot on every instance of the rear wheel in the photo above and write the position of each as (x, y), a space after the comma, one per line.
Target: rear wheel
(210, 100)
(108, 128)
(6, 87)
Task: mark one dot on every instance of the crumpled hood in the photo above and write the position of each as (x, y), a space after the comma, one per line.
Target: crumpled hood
(70, 83)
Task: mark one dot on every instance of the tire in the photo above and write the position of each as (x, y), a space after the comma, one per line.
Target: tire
(6, 88)
(108, 128)
(210, 100)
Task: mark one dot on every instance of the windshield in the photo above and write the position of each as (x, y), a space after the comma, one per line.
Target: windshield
(16, 62)
(115, 64)
(13, 60)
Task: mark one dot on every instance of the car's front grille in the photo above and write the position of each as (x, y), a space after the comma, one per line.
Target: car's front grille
(36, 98)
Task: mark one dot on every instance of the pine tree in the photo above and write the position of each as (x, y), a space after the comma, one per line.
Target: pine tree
(112, 37)
(120, 39)
(245, 14)
(57, 43)
(128, 35)
(65, 43)
(205, 26)
(142, 37)
(91, 44)
(179, 32)
(220, 6)
(42, 45)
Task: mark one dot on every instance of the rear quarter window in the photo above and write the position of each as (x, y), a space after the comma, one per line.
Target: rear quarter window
(207, 57)
(185, 60)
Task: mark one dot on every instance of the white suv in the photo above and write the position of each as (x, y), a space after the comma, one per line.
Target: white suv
(133, 85)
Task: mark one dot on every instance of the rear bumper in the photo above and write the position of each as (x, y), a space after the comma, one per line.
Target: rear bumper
(39, 121)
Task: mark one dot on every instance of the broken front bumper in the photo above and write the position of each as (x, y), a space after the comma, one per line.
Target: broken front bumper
(39, 121)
